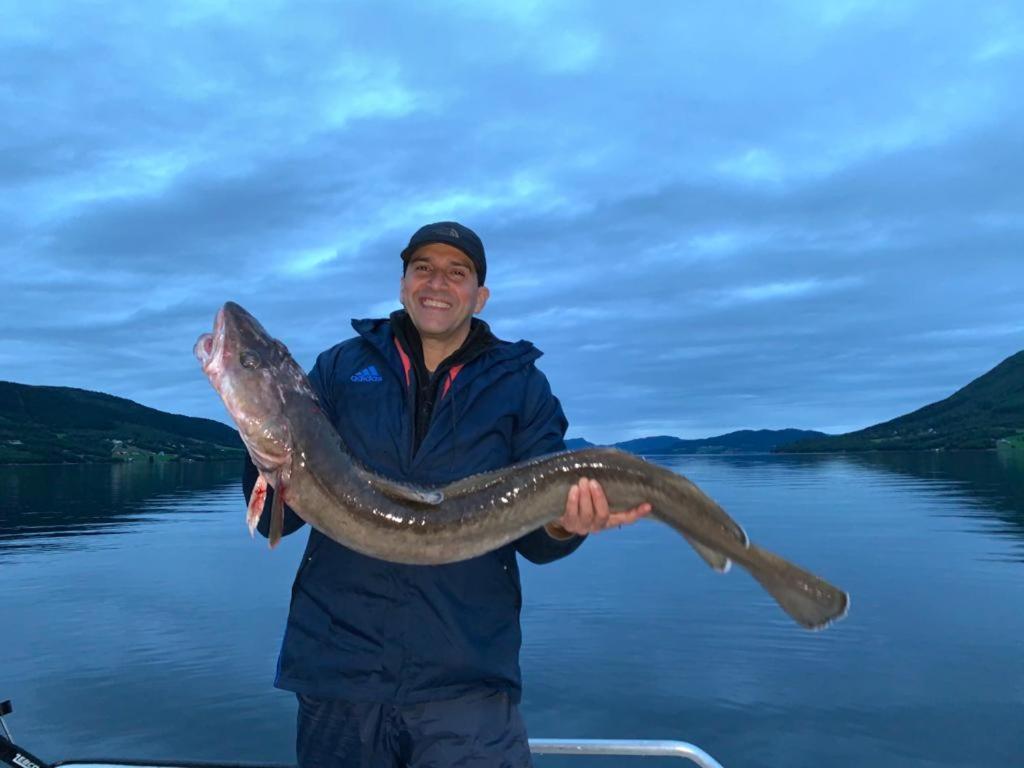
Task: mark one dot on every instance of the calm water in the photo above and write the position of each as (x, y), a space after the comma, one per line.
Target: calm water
(139, 620)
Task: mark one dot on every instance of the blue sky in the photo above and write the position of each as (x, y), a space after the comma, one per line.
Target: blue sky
(710, 216)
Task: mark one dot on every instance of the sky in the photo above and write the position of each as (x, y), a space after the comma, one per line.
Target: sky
(709, 216)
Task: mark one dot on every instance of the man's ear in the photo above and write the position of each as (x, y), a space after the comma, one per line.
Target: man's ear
(482, 296)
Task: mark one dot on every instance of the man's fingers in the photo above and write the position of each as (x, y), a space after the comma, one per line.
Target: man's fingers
(571, 519)
(622, 518)
(572, 502)
(586, 505)
(629, 516)
(587, 511)
(601, 511)
(640, 510)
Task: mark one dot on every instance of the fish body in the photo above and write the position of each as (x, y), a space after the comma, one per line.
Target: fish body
(301, 455)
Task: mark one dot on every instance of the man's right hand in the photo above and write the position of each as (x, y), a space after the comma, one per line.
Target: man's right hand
(587, 511)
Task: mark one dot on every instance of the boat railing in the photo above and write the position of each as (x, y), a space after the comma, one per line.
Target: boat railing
(13, 756)
(624, 748)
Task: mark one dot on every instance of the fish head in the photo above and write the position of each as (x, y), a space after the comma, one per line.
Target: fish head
(257, 378)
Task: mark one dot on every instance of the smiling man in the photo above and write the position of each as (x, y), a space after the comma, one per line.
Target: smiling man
(440, 292)
(398, 665)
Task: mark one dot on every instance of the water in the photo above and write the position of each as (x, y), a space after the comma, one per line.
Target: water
(137, 619)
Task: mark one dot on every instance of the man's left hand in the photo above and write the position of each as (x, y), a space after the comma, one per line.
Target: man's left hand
(586, 511)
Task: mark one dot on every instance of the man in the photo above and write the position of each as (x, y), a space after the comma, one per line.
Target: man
(398, 665)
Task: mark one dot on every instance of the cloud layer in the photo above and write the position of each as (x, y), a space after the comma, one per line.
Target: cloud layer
(710, 218)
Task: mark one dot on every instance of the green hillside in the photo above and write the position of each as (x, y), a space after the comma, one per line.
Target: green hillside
(989, 409)
(65, 425)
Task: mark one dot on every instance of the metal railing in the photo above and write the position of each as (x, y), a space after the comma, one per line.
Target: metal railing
(624, 748)
(13, 756)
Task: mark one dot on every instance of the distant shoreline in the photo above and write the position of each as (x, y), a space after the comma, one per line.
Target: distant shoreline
(1002, 446)
(117, 463)
(712, 454)
(835, 453)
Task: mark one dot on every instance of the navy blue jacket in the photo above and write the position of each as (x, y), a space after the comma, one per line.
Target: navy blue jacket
(364, 629)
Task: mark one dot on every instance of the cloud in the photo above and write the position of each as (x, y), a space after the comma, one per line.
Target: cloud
(708, 219)
(785, 290)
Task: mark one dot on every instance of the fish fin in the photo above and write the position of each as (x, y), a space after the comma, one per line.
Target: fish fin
(716, 560)
(277, 515)
(401, 491)
(256, 501)
(812, 601)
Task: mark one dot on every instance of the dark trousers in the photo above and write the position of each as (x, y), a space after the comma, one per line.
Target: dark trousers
(480, 730)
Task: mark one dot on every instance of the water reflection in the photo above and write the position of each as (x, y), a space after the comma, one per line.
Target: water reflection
(42, 506)
(988, 484)
(162, 643)
(992, 483)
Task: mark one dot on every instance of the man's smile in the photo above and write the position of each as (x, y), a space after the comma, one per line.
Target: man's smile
(435, 303)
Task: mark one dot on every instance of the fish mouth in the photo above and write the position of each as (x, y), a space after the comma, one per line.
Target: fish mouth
(209, 346)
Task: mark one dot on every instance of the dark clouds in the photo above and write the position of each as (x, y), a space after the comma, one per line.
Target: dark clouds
(709, 217)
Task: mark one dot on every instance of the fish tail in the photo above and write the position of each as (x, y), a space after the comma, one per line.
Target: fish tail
(277, 515)
(811, 601)
(256, 501)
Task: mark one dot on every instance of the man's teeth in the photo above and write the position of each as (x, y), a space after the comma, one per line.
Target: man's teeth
(436, 304)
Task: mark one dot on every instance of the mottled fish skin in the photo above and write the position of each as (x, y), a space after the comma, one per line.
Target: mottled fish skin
(302, 457)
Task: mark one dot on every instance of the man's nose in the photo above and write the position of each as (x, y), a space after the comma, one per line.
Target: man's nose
(437, 278)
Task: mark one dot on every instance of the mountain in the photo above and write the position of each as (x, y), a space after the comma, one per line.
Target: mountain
(743, 441)
(65, 425)
(577, 442)
(658, 444)
(987, 410)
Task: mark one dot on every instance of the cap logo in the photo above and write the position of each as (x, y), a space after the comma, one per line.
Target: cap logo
(452, 232)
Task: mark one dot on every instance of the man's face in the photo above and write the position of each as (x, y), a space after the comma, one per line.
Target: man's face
(440, 291)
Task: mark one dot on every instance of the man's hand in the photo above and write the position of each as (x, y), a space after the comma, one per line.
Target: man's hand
(586, 511)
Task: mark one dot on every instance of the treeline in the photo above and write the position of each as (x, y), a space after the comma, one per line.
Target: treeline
(65, 425)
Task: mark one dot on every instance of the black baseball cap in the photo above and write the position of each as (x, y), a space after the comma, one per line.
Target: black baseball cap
(454, 234)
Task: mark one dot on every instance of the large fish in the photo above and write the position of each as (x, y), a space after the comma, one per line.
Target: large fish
(299, 453)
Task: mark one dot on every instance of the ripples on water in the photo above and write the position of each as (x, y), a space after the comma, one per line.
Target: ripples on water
(140, 620)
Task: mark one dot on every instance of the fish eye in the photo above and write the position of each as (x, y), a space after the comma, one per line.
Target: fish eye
(249, 359)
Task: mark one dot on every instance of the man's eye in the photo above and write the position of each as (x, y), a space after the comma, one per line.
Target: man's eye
(421, 267)
(459, 274)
